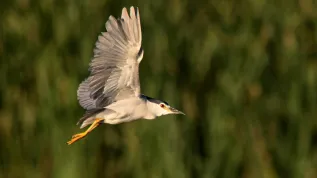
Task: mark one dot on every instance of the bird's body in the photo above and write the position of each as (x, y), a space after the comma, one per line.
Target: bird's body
(122, 111)
(111, 94)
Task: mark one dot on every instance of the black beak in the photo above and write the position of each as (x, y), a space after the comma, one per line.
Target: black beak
(175, 111)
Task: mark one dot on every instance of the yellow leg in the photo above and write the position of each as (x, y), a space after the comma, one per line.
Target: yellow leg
(79, 136)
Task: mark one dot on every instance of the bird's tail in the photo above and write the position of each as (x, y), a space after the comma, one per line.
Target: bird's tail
(87, 122)
(89, 117)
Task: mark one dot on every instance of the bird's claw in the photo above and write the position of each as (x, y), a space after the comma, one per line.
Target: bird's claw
(76, 137)
(79, 136)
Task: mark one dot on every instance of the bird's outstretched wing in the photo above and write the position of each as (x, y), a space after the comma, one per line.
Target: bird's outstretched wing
(114, 69)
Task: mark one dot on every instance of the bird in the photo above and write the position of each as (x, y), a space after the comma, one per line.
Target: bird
(111, 93)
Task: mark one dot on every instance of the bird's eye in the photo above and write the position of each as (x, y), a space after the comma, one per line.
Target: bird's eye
(162, 105)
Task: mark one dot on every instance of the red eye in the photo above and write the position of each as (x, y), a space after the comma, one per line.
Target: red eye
(162, 105)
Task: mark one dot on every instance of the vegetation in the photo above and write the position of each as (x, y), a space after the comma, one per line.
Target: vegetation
(244, 72)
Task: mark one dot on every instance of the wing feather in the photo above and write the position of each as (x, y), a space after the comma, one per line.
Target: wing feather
(114, 70)
(83, 93)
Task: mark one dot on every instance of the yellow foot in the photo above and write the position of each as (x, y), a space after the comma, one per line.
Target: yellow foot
(76, 138)
(79, 136)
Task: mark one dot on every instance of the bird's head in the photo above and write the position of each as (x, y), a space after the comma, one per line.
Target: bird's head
(159, 108)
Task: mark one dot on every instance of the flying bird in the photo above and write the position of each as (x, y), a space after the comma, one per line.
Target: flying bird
(111, 94)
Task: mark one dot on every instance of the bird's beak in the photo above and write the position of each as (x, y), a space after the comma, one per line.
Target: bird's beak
(175, 111)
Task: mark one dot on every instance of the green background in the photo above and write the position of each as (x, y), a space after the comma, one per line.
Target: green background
(243, 71)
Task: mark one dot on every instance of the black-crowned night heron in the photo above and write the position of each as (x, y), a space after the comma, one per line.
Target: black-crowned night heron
(111, 94)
